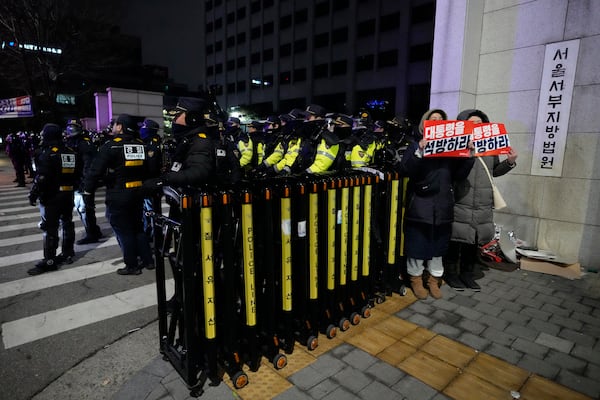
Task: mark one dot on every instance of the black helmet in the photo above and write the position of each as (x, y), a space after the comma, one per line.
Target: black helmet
(74, 128)
(51, 133)
(149, 127)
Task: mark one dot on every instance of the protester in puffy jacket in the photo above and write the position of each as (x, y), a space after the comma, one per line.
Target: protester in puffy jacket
(473, 224)
(429, 210)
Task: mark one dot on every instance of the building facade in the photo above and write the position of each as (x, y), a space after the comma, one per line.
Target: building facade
(346, 55)
(496, 55)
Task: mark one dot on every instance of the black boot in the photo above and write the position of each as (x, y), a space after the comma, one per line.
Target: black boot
(129, 271)
(467, 277)
(45, 265)
(454, 282)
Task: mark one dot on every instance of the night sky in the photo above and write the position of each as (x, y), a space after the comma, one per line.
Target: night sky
(171, 36)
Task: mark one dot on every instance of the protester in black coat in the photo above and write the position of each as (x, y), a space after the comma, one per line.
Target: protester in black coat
(429, 210)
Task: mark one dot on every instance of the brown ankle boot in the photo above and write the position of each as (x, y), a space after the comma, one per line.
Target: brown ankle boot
(434, 287)
(416, 283)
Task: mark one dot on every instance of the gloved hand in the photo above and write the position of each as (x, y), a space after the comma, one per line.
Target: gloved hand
(32, 199)
(152, 185)
(285, 171)
(393, 156)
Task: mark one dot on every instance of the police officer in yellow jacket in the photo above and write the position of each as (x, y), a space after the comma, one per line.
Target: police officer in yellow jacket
(243, 142)
(292, 141)
(368, 142)
(327, 147)
(123, 162)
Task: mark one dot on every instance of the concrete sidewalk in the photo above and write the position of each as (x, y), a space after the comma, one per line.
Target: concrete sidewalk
(525, 333)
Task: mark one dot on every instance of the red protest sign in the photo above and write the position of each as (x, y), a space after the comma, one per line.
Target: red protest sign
(447, 138)
(490, 139)
(451, 139)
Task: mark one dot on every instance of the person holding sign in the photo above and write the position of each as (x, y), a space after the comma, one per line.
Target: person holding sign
(429, 209)
(473, 224)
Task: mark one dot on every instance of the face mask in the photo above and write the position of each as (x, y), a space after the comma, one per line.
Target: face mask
(179, 130)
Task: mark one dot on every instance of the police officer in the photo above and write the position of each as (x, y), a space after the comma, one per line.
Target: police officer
(227, 167)
(152, 140)
(16, 150)
(258, 140)
(123, 162)
(368, 141)
(277, 144)
(326, 144)
(85, 205)
(58, 172)
(243, 142)
(193, 158)
(293, 141)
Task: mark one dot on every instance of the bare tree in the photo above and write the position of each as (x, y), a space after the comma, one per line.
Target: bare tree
(57, 44)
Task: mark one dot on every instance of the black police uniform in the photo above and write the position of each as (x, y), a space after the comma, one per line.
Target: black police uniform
(153, 141)
(86, 205)
(123, 162)
(58, 172)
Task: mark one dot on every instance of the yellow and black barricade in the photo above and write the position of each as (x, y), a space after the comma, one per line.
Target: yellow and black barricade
(271, 262)
(304, 275)
(226, 262)
(266, 260)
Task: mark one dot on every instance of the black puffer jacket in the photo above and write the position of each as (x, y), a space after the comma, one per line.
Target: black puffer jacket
(430, 193)
(194, 160)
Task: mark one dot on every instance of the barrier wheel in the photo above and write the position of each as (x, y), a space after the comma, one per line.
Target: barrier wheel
(331, 331)
(355, 318)
(379, 298)
(312, 343)
(239, 379)
(403, 290)
(279, 361)
(344, 324)
(366, 312)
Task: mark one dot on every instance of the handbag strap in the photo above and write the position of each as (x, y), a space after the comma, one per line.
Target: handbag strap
(486, 170)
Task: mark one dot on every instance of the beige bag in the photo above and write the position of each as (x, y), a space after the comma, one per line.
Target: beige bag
(499, 202)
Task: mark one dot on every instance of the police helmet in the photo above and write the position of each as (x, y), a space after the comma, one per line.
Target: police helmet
(74, 128)
(149, 127)
(51, 133)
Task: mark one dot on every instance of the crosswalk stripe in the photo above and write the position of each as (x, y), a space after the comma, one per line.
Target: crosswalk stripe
(13, 259)
(21, 196)
(37, 237)
(35, 327)
(36, 213)
(60, 277)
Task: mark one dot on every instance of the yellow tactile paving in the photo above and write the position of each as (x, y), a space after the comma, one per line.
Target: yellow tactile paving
(448, 350)
(299, 359)
(458, 371)
(371, 341)
(262, 384)
(418, 337)
(429, 369)
(470, 387)
(397, 353)
(395, 327)
(498, 372)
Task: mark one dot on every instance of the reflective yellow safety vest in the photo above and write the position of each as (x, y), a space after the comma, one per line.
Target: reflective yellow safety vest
(290, 156)
(361, 157)
(246, 150)
(275, 156)
(324, 158)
